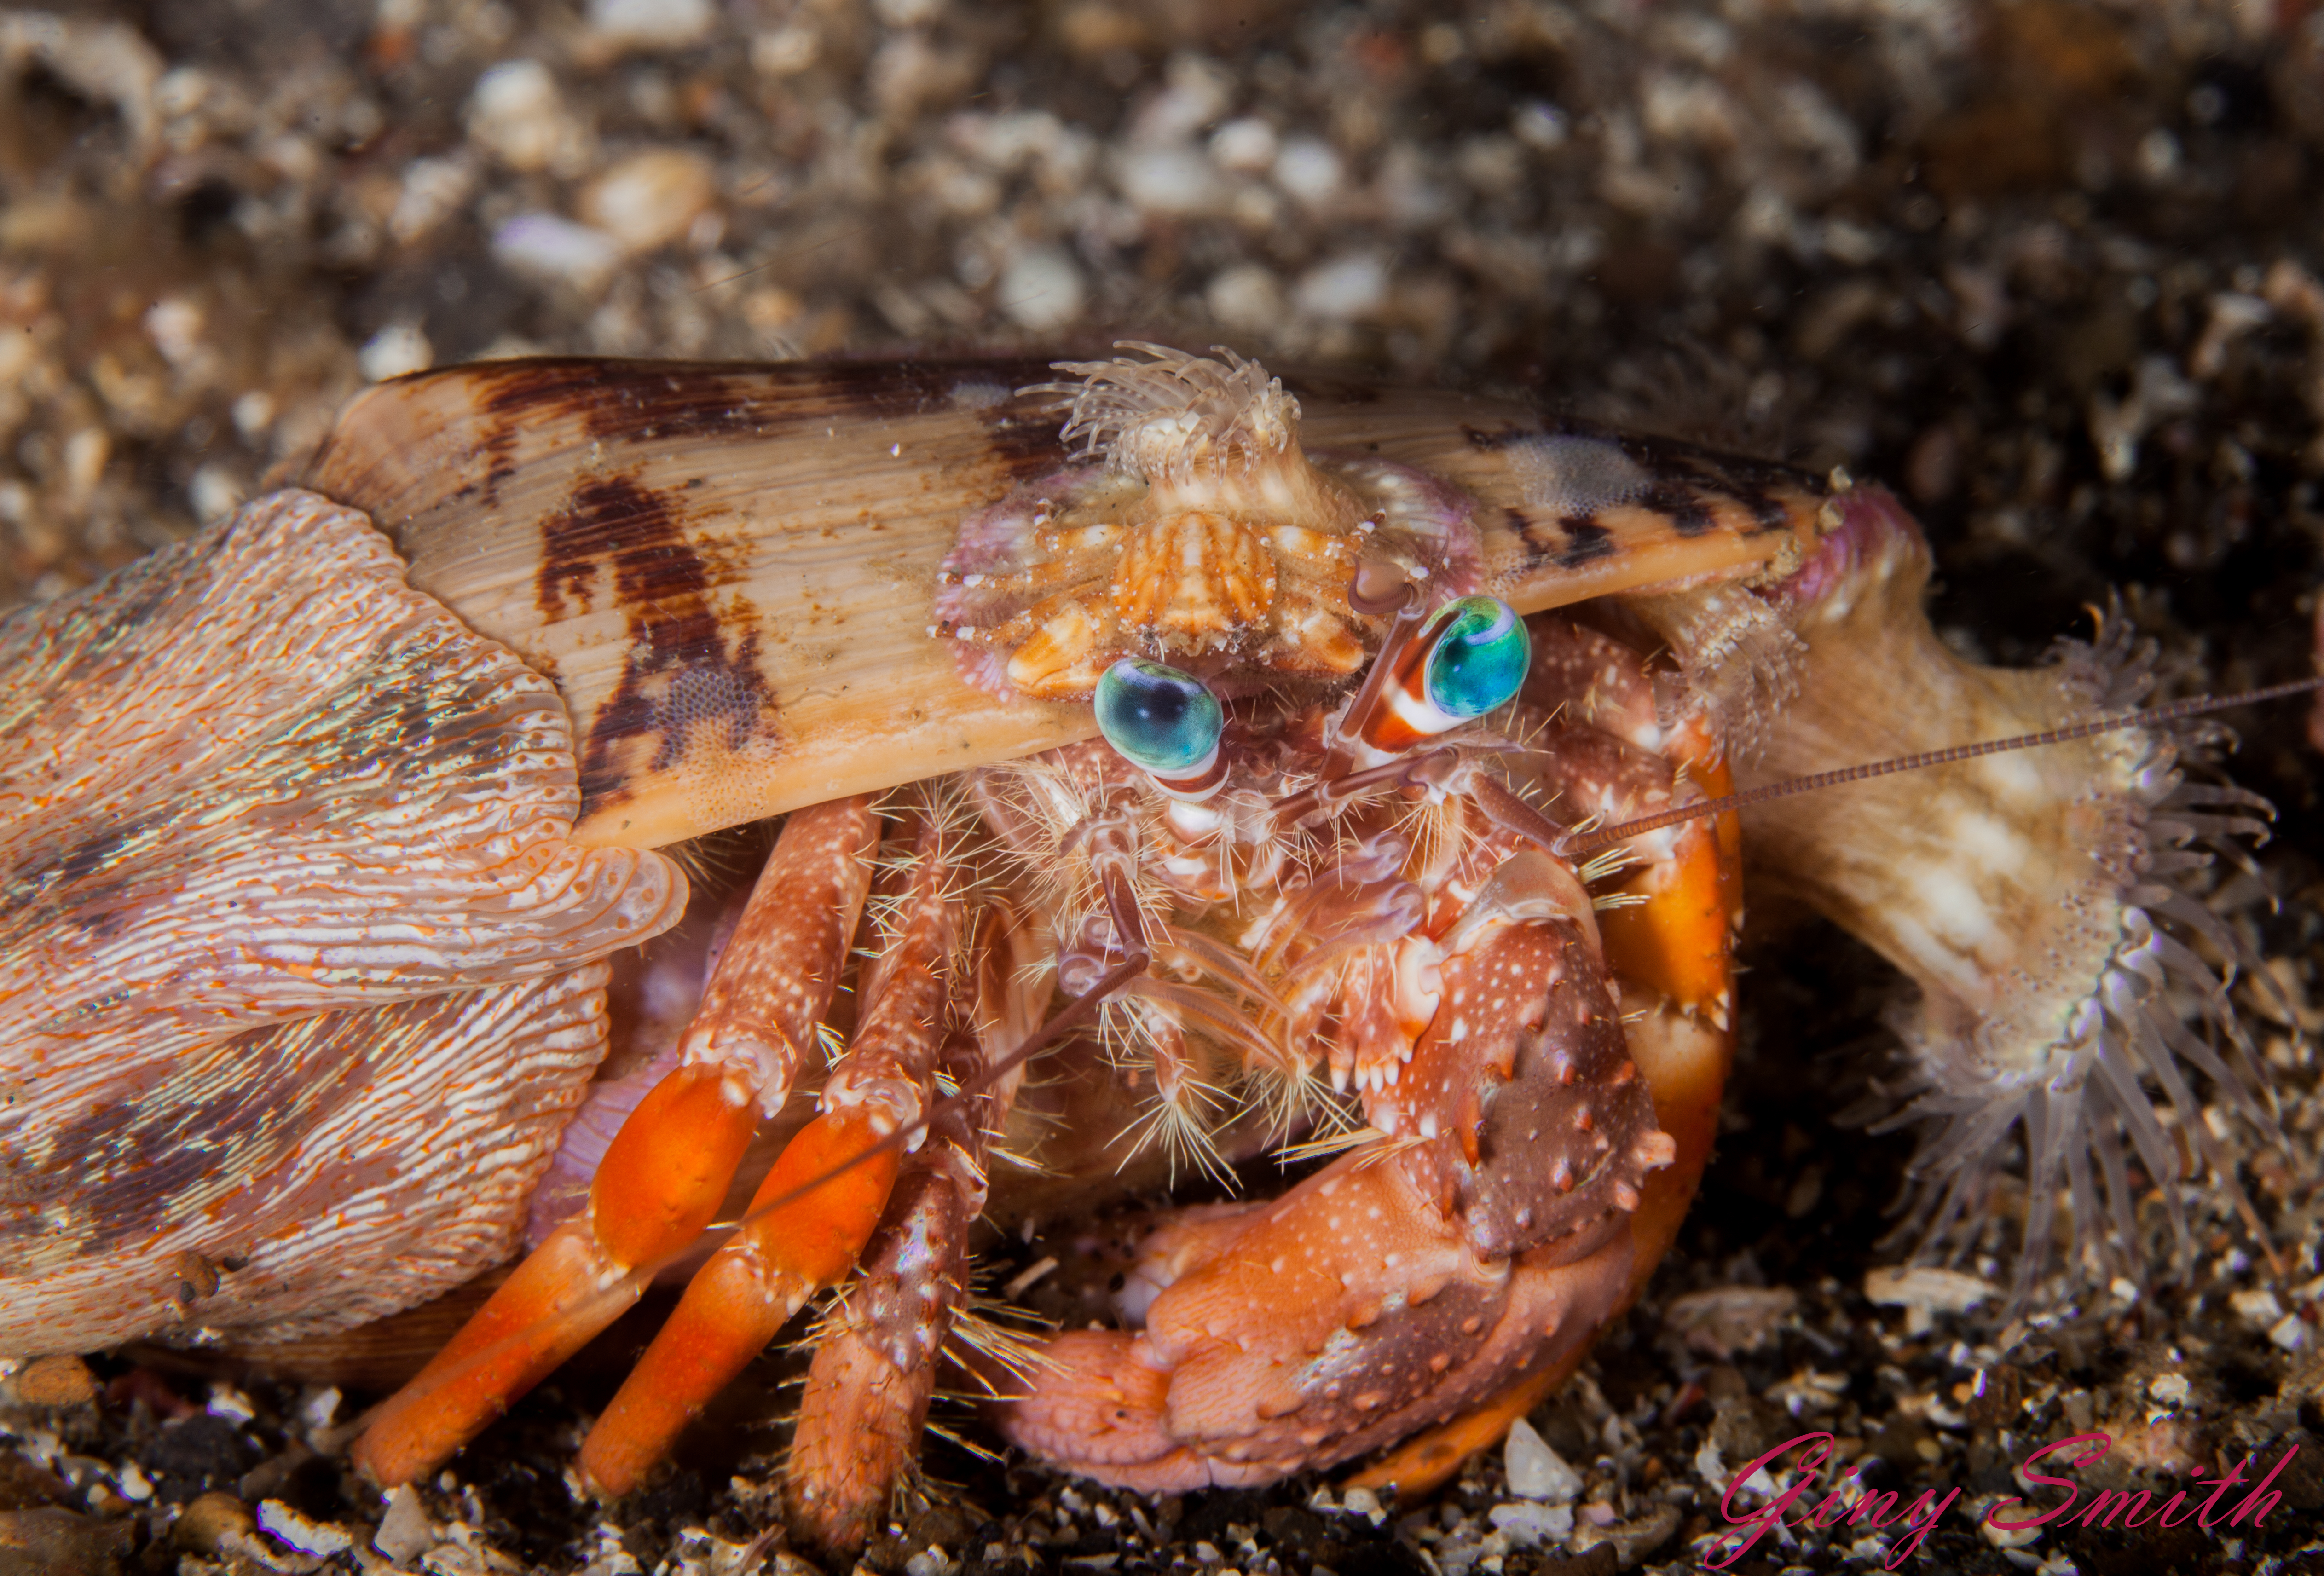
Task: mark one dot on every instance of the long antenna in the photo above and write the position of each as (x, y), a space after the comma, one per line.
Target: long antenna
(1606, 837)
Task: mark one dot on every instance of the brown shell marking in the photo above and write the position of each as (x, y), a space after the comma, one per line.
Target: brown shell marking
(1573, 510)
(726, 569)
(731, 570)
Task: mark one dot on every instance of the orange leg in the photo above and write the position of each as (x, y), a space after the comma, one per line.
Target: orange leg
(1678, 942)
(669, 1167)
(1428, 1459)
(875, 1363)
(793, 1242)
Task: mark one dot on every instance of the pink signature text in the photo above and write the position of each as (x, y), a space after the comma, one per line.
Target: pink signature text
(1850, 1504)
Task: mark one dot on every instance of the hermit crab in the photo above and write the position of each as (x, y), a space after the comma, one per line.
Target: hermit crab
(1171, 762)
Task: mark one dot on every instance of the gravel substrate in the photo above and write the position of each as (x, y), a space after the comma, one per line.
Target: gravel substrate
(2053, 270)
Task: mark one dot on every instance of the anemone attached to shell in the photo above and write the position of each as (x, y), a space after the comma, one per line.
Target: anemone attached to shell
(1173, 412)
(2043, 902)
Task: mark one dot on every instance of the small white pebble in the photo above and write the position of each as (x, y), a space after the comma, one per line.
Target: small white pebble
(433, 190)
(1350, 286)
(516, 114)
(1246, 146)
(392, 352)
(1246, 298)
(254, 413)
(230, 1404)
(1527, 1523)
(1310, 170)
(651, 24)
(404, 1532)
(214, 493)
(1535, 1470)
(651, 198)
(286, 1525)
(321, 1409)
(555, 250)
(174, 325)
(2013, 1538)
(2171, 1390)
(1171, 178)
(1943, 1291)
(786, 52)
(1041, 290)
(1539, 126)
(2158, 155)
(2258, 1305)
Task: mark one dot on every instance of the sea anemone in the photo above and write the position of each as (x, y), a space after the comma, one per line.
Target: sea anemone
(1158, 418)
(2038, 900)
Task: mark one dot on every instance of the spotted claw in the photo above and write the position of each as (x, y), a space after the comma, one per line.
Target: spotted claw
(1403, 1283)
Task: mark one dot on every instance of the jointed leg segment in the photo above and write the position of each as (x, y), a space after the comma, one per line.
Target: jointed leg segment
(668, 1169)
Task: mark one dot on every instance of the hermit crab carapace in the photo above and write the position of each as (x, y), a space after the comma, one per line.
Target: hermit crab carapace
(1230, 737)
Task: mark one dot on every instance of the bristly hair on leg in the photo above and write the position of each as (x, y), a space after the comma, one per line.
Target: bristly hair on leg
(1345, 1133)
(1738, 654)
(1042, 810)
(723, 862)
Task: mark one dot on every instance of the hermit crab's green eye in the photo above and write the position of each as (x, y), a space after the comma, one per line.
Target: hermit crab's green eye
(1160, 718)
(1479, 659)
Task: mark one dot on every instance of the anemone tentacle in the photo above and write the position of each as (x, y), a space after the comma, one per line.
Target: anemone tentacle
(2050, 906)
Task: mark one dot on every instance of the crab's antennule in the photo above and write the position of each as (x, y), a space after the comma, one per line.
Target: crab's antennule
(2196, 707)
